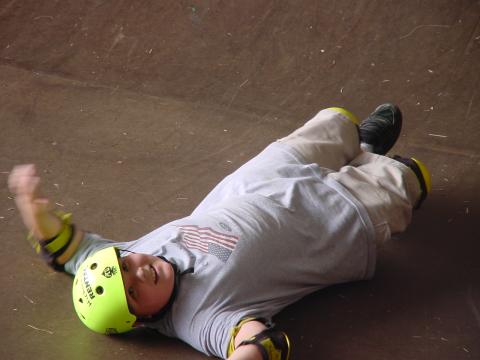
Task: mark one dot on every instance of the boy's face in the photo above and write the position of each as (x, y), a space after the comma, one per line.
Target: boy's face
(148, 283)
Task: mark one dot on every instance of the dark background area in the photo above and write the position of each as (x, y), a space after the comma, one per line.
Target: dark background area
(134, 110)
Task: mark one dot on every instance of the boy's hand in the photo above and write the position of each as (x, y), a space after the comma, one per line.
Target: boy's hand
(35, 211)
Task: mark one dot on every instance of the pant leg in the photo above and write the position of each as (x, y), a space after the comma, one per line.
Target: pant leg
(329, 139)
(387, 188)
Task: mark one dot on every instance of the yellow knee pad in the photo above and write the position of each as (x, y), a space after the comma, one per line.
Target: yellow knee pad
(425, 173)
(347, 113)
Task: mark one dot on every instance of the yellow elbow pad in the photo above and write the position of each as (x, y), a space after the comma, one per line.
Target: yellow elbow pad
(272, 344)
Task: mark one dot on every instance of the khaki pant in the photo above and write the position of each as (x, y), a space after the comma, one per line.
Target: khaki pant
(387, 188)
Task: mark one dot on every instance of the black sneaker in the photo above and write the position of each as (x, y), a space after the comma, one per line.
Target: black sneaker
(423, 176)
(380, 130)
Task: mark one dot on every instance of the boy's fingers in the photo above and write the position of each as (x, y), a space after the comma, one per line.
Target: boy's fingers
(24, 170)
(27, 169)
(18, 174)
(26, 186)
(13, 178)
(33, 186)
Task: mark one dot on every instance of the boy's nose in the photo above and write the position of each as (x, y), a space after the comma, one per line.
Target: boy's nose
(140, 274)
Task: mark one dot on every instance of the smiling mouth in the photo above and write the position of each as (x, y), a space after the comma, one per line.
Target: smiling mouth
(155, 275)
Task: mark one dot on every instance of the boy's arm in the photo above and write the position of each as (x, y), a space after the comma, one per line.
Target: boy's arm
(36, 211)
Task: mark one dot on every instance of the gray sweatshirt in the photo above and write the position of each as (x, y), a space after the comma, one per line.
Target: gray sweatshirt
(270, 233)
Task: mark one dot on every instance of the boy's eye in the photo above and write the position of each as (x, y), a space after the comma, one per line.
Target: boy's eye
(124, 266)
(131, 292)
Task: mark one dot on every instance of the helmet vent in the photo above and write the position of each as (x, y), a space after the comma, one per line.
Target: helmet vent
(93, 266)
(80, 300)
(99, 290)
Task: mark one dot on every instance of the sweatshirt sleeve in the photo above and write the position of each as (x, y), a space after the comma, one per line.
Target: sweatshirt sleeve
(90, 244)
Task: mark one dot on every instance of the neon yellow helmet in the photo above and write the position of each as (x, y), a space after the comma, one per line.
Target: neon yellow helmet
(99, 296)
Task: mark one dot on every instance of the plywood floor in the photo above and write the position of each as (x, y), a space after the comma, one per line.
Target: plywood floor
(132, 111)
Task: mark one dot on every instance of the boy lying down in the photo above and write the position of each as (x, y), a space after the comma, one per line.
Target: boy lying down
(305, 213)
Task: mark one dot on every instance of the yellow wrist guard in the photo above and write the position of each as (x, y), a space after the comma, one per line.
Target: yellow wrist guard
(52, 248)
